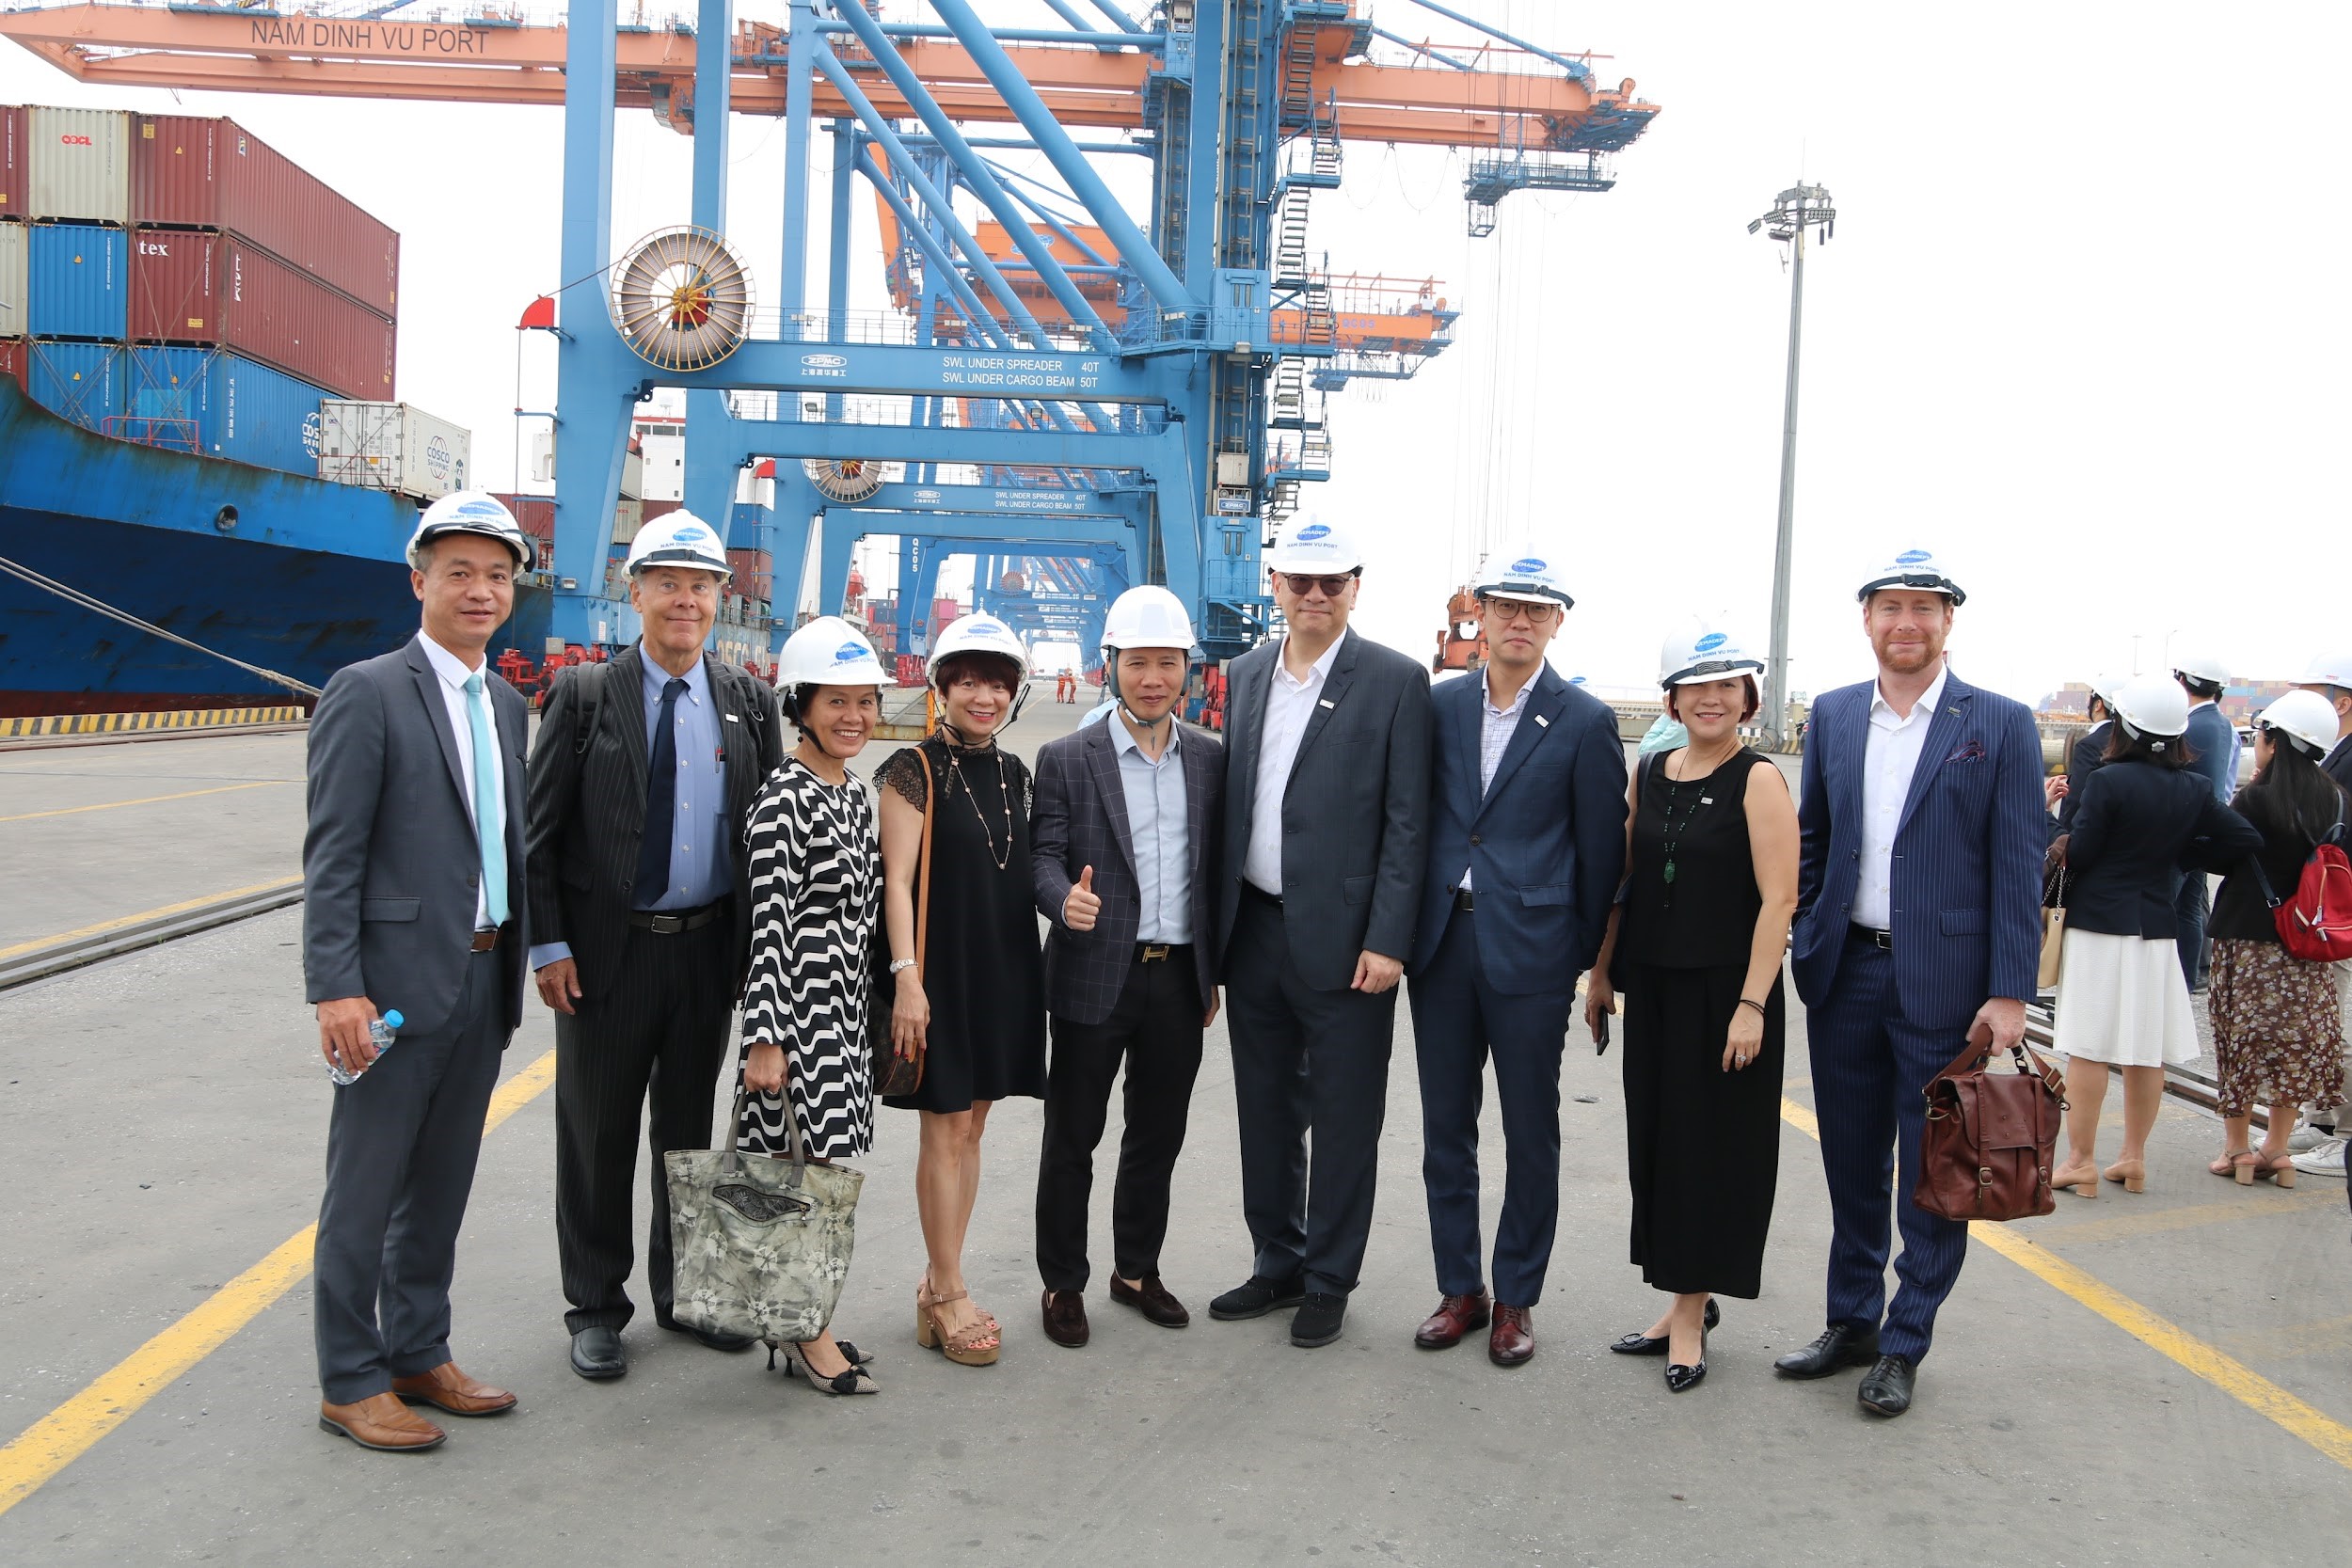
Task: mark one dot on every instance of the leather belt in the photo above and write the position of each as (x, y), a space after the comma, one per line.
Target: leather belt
(1251, 890)
(669, 923)
(1464, 901)
(486, 940)
(1882, 941)
(1158, 952)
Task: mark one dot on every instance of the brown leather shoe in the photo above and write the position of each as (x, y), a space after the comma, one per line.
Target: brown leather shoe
(1455, 1317)
(1514, 1337)
(1065, 1317)
(381, 1422)
(1151, 1298)
(453, 1391)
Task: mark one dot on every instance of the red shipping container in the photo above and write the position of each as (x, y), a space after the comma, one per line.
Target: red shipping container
(13, 148)
(13, 361)
(536, 514)
(219, 291)
(204, 173)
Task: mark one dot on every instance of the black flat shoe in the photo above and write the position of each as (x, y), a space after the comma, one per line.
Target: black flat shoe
(597, 1354)
(709, 1336)
(1318, 1319)
(1641, 1344)
(1840, 1345)
(1257, 1296)
(1681, 1379)
(1886, 1389)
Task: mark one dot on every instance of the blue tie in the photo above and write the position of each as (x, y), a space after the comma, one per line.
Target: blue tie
(489, 825)
(653, 850)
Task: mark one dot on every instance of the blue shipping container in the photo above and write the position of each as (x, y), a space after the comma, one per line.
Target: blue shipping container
(78, 281)
(82, 382)
(224, 405)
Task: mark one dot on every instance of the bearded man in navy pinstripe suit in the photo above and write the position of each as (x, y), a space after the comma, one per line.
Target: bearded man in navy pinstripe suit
(1918, 927)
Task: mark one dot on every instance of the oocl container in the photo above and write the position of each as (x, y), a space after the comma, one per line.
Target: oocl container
(13, 147)
(219, 290)
(207, 173)
(79, 167)
(82, 382)
(390, 446)
(12, 316)
(75, 281)
(231, 407)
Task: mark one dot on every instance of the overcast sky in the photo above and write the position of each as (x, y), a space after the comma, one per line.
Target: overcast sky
(2082, 331)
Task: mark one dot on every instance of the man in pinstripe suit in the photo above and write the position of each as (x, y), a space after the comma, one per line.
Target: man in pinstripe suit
(1918, 927)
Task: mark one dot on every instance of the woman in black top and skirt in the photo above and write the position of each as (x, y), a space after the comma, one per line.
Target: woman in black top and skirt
(1695, 943)
(974, 1006)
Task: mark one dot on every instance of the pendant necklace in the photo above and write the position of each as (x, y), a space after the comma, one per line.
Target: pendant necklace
(1004, 794)
(1674, 791)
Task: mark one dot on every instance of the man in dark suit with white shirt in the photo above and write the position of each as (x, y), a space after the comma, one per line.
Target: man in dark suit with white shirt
(2214, 747)
(412, 876)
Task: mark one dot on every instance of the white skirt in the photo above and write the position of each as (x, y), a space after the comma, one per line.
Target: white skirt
(2124, 999)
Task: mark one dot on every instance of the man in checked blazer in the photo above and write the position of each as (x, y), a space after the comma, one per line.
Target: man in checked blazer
(1918, 929)
(1123, 839)
(642, 781)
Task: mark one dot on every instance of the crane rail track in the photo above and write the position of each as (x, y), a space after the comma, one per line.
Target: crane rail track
(58, 958)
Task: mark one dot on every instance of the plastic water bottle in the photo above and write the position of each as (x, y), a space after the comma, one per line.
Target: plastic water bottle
(379, 1034)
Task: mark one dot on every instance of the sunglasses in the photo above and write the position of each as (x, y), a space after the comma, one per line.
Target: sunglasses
(1303, 585)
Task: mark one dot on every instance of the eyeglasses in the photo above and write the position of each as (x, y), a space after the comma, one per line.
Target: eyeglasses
(1523, 610)
(1303, 585)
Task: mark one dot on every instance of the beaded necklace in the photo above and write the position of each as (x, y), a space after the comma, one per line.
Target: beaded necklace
(1004, 795)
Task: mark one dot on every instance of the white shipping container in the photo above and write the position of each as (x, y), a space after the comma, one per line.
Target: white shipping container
(12, 295)
(633, 478)
(392, 446)
(627, 519)
(80, 164)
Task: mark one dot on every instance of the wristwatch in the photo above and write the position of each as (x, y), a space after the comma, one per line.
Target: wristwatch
(898, 964)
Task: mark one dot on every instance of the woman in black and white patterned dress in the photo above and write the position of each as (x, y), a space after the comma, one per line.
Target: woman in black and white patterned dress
(816, 866)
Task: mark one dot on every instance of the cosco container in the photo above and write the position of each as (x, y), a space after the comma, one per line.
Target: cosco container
(12, 316)
(390, 446)
(220, 289)
(204, 173)
(75, 281)
(79, 164)
(223, 406)
(82, 382)
(13, 147)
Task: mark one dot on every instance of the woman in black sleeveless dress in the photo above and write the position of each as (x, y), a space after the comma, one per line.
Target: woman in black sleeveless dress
(975, 1004)
(1695, 944)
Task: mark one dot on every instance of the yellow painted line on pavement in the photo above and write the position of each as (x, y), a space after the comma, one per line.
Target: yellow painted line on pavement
(182, 907)
(145, 800)
(2235, 1378)
(71, 1430)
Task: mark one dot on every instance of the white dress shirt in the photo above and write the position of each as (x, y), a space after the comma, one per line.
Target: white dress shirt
(1289, 704)
(453, 676)
(1495, 729)
(1890, 757)
(1161, 832)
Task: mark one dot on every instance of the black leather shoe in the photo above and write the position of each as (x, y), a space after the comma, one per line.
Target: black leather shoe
(1319, 1318)
(1065, 1315)
(1258, 1297)
(1840, 1345)
(597, 1354)
(711, 1338)
(1886, 1387)
(1641, 1344)
(1153, 1299)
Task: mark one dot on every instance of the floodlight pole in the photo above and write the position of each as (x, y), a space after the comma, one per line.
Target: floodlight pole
(1794, 211)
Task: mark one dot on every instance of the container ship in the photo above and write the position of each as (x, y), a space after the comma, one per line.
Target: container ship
(207, 484)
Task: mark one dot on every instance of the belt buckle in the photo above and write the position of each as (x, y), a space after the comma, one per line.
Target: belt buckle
(1152, 952)
(667, 925)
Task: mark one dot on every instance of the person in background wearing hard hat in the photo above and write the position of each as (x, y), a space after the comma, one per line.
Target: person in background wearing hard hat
(815, 868)
(413, 901)
(2278, 1026)
(1124, 862)
(642, 780)
(2212, 752)
(2319, 1143)
(1326, 768)
(2141, 823)
(1526, 844)
(1698, 940)
(970, 991)
(1918, 931)
(2086, 756)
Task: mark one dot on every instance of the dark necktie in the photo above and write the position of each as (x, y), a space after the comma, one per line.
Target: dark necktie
(653, 852)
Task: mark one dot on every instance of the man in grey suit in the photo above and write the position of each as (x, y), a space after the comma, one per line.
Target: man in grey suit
(1326, 774)
(412, 902)
(641, 782)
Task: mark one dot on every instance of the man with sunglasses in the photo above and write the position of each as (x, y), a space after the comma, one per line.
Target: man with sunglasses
(1326, 774)
(1526, 845)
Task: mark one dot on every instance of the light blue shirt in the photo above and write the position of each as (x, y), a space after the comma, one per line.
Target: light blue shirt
(1161, 831)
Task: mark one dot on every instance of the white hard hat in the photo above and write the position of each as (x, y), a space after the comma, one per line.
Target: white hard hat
(2330, 670)
(1525, 574)
(2152, 705)
(1704, 655)
(679, 539)
(1311, 547)
(1148, 616)
(2305, 716)
(977, 634)
(1913, 569)
(829, 652)
(2200, 665)
(2103, 687)
(471, 512)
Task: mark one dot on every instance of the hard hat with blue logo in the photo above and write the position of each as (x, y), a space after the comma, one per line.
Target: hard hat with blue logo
(1704, 655)
(1913, 568)
(1523, 573)
(1313, 548)
(979, 634)
(679, 539)
(471, 512)
(829, 652)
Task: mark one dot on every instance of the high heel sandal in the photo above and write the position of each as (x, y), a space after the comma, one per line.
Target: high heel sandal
(2133, 1173)
(2226, 1164)
(2084, 1178)
(976, 1344)
(2275, 1167)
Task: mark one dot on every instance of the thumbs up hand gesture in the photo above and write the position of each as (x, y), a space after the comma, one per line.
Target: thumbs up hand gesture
(1079, 909)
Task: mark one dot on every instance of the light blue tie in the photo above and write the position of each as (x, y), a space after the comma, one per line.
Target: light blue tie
(489, 827)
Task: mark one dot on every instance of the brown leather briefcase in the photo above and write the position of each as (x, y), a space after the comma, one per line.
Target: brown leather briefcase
(1991, 1137)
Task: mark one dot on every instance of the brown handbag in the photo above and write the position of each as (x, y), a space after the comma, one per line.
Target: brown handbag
(1991, 1137)
(894, 1075)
